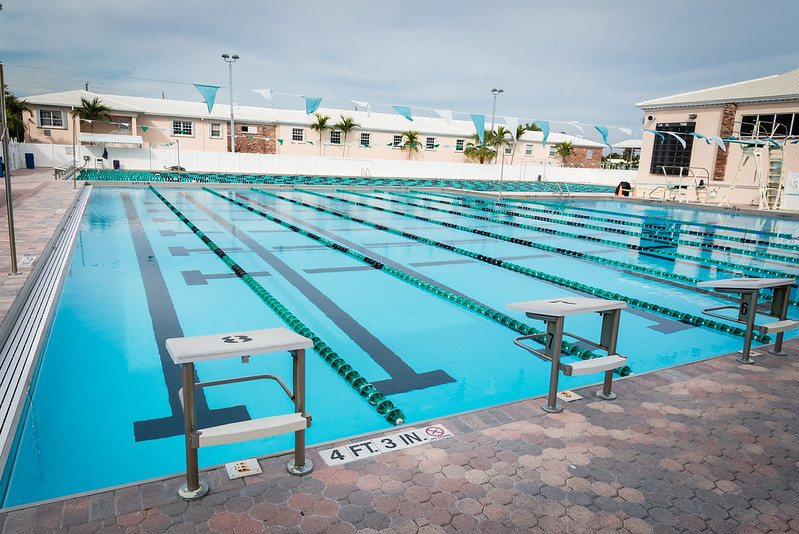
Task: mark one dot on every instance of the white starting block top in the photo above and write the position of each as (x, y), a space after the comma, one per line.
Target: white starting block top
(747, 284)
(217, 346)
(563, 306)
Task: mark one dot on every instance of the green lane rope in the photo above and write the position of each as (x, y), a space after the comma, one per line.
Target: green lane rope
(671, 241)
(363, 387)
(640, 248)
(525, 242)
(436, 290)
(666, 219)
(679, 315)
(656, 225)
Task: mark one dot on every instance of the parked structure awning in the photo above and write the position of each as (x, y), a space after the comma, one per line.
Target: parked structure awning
(110, 139)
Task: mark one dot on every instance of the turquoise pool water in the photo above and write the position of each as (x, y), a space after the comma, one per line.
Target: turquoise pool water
(103, 406)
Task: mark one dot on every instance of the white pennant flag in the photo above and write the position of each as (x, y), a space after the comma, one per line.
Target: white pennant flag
(513, 123)
(266, 93)
(445, 114)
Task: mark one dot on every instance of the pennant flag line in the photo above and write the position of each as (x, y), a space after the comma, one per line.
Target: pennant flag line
(209, 94)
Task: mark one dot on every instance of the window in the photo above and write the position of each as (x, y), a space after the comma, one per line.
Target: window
(770, 125)
(430, 143)
(397, 143)
(182, 128)
(366, 139)
(553, 151)
(297, 135)
(589, 154)
(668, 154)
(47, 133)
(528, 150)
(51, 119)
(459, 145)
(249, 129)
(216, 129)
(335, 137)
(508, 150)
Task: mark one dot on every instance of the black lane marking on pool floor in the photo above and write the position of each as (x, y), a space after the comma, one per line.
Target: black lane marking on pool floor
(166, 325)
(197, 278)
(183, 251)
(403, 377)
(338, 269)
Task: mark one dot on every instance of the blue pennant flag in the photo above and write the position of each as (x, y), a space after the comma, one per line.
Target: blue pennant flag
(545, 130)
(311, 104)
(604, 132)
(404, 111)
(209, 94)
(662, 137)
(479, 123)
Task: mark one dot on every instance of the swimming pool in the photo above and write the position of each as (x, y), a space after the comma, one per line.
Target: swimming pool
(408, 289)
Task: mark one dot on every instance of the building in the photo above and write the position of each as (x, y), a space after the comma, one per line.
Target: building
(740, 140)
(152, 123)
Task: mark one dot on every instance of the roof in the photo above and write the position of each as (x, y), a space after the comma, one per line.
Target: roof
(630, 143)
(110, 139)
(775, 88)
(368, 120)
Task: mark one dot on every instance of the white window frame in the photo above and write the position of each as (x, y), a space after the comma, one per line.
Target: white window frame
(182, 132)
(396, 142)
(298, 135)
(459, 145)
(528, 150)
(51, 122)
(430, 143)
(337, 134)
(249, 129)
(366, 139)
(215, 130)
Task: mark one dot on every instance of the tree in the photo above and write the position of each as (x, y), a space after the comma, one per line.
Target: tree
(520, 130)
(480, 150)
(346, 125)
(92, 110)
(499, 139)
(564, 150)
(411, 142)
(320, 126)
(14, 110)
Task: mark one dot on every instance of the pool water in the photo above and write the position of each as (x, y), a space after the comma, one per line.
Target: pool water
(104, 411)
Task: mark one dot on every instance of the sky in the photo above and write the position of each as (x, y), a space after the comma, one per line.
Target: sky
(583, 61)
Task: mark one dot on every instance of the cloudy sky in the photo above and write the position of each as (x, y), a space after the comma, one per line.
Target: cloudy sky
(577, 60)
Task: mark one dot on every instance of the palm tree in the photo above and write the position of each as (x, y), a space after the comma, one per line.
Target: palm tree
(14, 110)
(520, 129)
(346, 125)
(320, 126)
(564, 150)
(499, 140)
(92, 110)
(480, 151)
(411, 142)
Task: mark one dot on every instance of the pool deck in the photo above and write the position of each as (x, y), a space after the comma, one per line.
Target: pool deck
(708, 446)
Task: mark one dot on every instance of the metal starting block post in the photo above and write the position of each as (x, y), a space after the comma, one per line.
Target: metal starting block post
(749, 290)
(553, 312)
(188, 350)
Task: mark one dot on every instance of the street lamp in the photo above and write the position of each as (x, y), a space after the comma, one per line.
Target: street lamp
(230, 61)
(494, 92)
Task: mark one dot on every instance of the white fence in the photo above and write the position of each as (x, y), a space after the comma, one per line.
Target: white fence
(224, 162)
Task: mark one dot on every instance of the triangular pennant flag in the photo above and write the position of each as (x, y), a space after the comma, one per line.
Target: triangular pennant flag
(144, 128)
(363, 105)
(680, 139)
(718, 141)
(577, 125)
(545, 130)
(266, 93)
(209, 94)
(311, 104)
(604, 133)
(445, 114)
(280, 141)
(628, 131)
(479, 123)
(513, 123)
(662, 137)
(404, 111)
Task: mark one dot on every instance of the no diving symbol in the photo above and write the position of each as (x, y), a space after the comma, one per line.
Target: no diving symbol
(434, 431)
(236, 339)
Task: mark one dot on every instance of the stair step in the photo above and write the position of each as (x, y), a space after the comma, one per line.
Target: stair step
(778, 326)
(252, 429)
(595, 365)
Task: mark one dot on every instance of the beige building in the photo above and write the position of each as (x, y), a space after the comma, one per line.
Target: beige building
(152, 122)
(739, 140)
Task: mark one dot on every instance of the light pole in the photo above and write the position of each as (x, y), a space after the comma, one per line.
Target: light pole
(4, 133)
(230, 60)
(494, 92)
